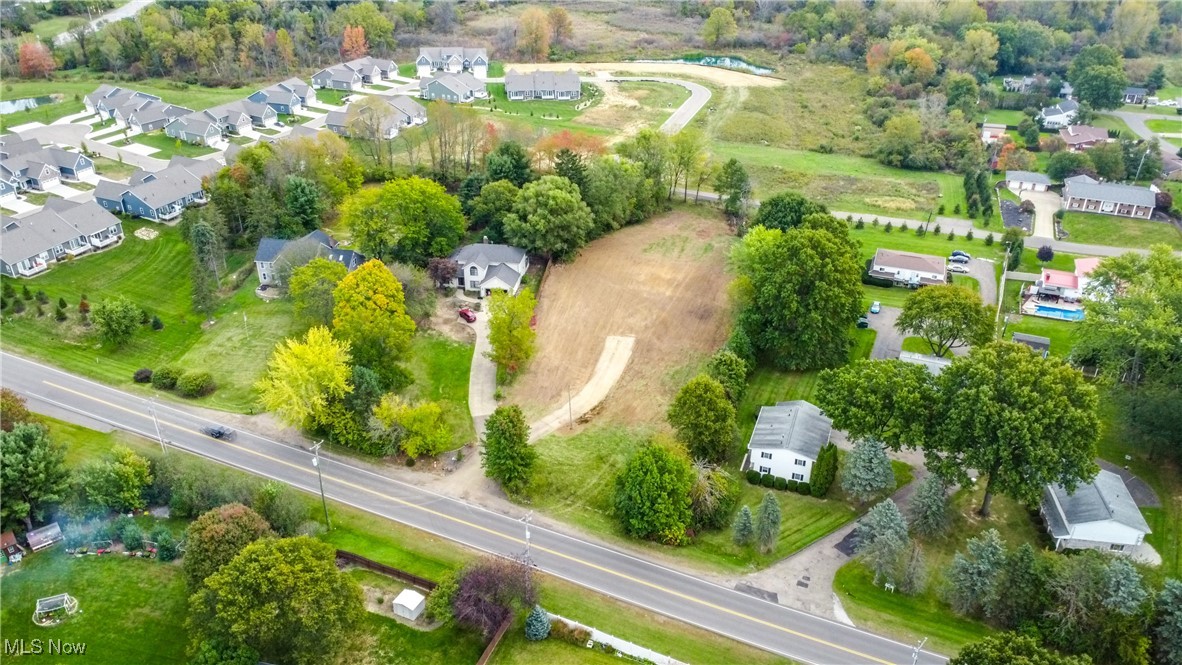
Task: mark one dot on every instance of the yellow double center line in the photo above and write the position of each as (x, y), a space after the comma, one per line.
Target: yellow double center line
(493, 532)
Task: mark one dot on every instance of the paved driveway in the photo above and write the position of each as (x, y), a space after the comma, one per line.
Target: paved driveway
(1046, 204)
(482, 379)
(982, 271)
(889, 341)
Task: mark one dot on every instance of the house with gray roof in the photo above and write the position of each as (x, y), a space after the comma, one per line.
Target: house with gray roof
(932, 363)
(1082, 137)
(337, 77)
(1023, 180)
(1085, 194)
(147, 116)
(296, 132)
(486, 267)
(286, 97)
(26, 164)
(1099, 515)
(1134, 95)
(373, 70)
(543, 85)
(195, 128)
(62, 229)
(106, 99)
(452, 60)
(1059, 115)
(276, 256)
(405, 112)
(455, 88)
(908, 268)
(161, 196)
(1037, 343)
(787, 439)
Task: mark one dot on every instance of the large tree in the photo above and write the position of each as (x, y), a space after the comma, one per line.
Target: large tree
(370, 315)
(947, 317)
(509, 161)
(1168, 628)
(867, 472)
(13, 410)
(489, 208)
(492, 591)
(1101, 87)
(549, 218)
(216, 537)
(720, 27)
(653, 494)
(408, 220)
(886, 400)
(533, 34)
(1020, 420)
(801, 293)
(116, 320)
(509, 331)
(734, 186)
(285, 599)
(311, 286)
(115, 482)
(1010, 648)
(786, 210)
(881, 537)
(304, 376)
(33, 474)
(704, 419)
(507, 456)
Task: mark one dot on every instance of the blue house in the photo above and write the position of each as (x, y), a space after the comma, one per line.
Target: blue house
(160, 196)
(287, 97)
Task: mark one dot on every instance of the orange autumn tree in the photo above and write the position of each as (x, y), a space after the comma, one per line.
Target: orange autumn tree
(585, 145)
(1012, 158)
(354, 45)
(35, 60)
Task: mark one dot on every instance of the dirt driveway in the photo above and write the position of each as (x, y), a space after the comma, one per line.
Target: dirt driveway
(663, 282)
(716, 75)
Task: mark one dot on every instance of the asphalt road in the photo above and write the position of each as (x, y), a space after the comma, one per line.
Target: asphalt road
(699, 95)
(126, 11)
(781, 630)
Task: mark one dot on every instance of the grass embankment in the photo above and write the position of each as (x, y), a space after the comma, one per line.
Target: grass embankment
(441, 367)
(1116, 231)
(1173, 126)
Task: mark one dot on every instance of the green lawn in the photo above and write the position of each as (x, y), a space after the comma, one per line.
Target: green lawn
(78, 185)
(1165, 126)
(112, 169)
(916, 345)
(875, 237)
(544, 115)
(441, 367)
(1060, 261)
(1113, 122)
(333, 97)
(1119, 231)
(1008, 117)
(846, 182)
(967, 282)
(132, 610)
(168, 146)
(516, 650)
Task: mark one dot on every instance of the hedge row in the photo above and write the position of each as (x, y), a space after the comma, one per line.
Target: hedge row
(187, 384)
(775, 482)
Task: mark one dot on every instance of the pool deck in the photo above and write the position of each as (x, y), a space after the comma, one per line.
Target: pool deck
(1030, 308)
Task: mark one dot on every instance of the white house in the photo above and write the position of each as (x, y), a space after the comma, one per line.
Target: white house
(991, 132)
(452, 59)
(1100, 515)
(1069, 286)
(1023, 180)
(487, 267)
(909, 269)
(787, 439)
(1086, 194)
(1059, 115)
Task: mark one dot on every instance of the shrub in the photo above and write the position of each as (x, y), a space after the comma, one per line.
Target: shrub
(969, 235)
(956, 209)
(8, 290)
(117, 526)
(804, 488)
(903, 226)
(61, 303)
(84, 306)
(859, 225)
(888, 227)
(157, 324)
(575, 635)
(42, 298)
(165, 378)
(951, 235)
(753, 476)
(1046, 253)
(768, 480)
(989, 240)
(537, 625)
(166, 545)
(936, 229)
(132, 537)
(791, 485)
(18, 306)
(438, 606)
(40, 311)
(939, 211)
(781, 484)
(142, 375)
(824, 471)
(26, 294)
(59, 314)
(3, 303)
(195, 384)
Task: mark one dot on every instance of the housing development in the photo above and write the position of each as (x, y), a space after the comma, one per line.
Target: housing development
(572, 332)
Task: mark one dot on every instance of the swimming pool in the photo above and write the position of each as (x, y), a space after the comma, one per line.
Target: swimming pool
(1059, 313)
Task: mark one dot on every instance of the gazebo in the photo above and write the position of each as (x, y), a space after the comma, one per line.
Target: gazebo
(51, 610)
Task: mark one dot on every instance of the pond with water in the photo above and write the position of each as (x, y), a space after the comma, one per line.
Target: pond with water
(13, 105)
(723, 61)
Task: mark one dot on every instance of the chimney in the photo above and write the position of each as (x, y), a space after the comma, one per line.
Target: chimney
(486, 240)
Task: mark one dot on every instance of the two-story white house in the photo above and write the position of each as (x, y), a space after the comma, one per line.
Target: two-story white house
(787, 439)
(488, 267)
(451, 59)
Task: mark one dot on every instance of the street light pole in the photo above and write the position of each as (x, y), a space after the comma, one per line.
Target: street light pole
(915, 652)
(156, 422)
(320, 477)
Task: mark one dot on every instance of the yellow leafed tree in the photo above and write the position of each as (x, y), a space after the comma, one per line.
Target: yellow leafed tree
(304, 375)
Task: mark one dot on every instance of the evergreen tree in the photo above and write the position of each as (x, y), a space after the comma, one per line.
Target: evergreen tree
(824, 471)
(537, 625)
(912, 570)
(744, 528)
(1024, 580)
(1168, 631)
(881, 537)
(569, 165)
(1126, 593)
(929, 507)
(973, 575)
(507, 456)
(767, 527)
(867, 471)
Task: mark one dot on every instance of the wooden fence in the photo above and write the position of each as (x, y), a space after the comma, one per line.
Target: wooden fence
(492, 644)
(358, 560)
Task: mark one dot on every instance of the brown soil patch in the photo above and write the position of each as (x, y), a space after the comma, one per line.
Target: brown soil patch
(446, 322)
(662, 282)
(716, 75)
(616, 110)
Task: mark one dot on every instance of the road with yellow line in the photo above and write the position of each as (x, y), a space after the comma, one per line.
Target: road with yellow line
(791, 633)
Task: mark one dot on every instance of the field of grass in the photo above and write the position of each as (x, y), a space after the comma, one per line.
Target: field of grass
(563, 109)
(1113, 122)
(112, 169)
(168, 146)
(845, 182)
(1116, 231)
(1008, 117)
(440, 367)
(1165, 126)
(1060, 261)
(333, 97)
(875, 237)
(916, 345)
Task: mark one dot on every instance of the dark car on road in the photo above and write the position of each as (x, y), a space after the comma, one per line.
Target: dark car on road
(959, 252)
(955, 258)
(219, 432)
(468, 315)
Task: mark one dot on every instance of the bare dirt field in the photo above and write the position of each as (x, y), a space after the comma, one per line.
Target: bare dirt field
(716, 75)
(662, 282)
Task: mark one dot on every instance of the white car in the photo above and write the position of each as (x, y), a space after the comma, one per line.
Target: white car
(956, 267)
(1168, 102)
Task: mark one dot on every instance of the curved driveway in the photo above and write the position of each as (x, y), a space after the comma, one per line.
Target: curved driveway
(126, 11)
(793, 634)
(1136, 122)
(699, 95)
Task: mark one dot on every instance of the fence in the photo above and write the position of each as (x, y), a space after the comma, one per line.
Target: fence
(358, 560)
(496, 639)
(623, 646)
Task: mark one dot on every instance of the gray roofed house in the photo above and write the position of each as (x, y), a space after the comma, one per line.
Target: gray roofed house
(107, 98)
(26, 164)
(455, 88)
(151, 115)
(1085, 194)
(1097, 515)
(787, 439)
(286, 96)
(932, 363)
(406, 112)
(373, 70)
(413, 112)
(908, 268)
(62, 228)
(1059, 115)
(1040, 345)
(487, 267)
(276, 254)
(1134, 95)
(338, 77)
(196, 128)
(1027, 180)
(297, 132)
(542, 85)
(1080, 137)
(452, 59)
(160, 196)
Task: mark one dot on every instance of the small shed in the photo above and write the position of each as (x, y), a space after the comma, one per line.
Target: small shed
(409, 604)
(44, 537)
(13, 552)
(1040, 345)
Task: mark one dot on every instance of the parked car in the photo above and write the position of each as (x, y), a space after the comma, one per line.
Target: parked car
(1168, 102)
(957, 252)
(863, 322)
(468, 315)
(875, 307)
(958, 259)
(219, 432)
(279, 124)
(956, 267)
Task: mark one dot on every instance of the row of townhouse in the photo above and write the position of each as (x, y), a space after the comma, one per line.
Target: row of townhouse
(406, 112)
(159, 196)
(210, 126)
(352, 75)
(451, 60)
(25, 164)
(458, 88)
(286, 97)
(543, 85)
(61, 229)
(137, 111)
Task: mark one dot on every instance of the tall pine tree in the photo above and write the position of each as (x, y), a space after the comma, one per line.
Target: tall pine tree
(867, 471)
(744, 527)
(767, 527)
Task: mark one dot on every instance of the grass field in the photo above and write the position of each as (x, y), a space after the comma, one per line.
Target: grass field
(1008, 117)
(112, 169)
(1119, 231)
(333, 97)
(916, 345)
(440, 367)
(168, 146)
(1165, 126)
(845, 182)
(1113, 122)
(875, 237)
(1060, 261)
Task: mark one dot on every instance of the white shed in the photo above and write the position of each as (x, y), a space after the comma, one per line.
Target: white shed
(409, 604)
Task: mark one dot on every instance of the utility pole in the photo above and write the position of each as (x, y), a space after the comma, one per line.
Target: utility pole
(527, 520)
(570, 413)
(915, 652)
(156, 422)
(1142, 163)
(1001, 293)
(320, 477)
